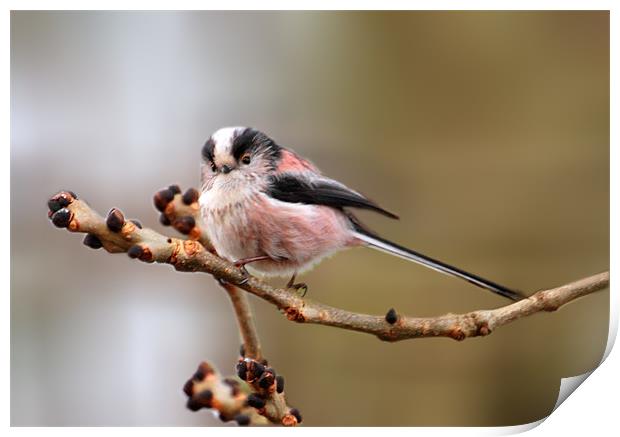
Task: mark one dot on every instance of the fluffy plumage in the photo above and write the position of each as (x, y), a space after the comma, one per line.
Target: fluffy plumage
(260, 199)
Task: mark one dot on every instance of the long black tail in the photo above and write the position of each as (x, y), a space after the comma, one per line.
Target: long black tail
(408, 254)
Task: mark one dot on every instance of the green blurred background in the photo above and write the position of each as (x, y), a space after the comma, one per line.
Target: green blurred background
(488, 132)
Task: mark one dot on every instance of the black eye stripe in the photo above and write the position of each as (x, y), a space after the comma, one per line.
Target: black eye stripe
(244, 142)
(207, 150)
(253, 141)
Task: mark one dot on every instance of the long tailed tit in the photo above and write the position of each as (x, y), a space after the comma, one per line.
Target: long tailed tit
(265, 206)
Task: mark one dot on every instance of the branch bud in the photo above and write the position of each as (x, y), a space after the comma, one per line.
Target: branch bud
(164, 220)
(295, 412)
(162, 198)
(92, 241)
(62, 218)
(255, 401)
(185, 224)
(279, 383)
(242, 419)
(115, 220)
(190, 196)
(174, 188)
(135, 251)
(391, 317)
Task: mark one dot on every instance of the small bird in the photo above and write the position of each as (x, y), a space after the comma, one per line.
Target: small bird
(266, 207)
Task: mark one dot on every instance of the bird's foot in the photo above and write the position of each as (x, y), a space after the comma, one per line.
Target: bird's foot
(300, 288)
(246, 275)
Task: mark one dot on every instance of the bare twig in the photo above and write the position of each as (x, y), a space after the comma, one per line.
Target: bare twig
(187, 255)
(245, 320)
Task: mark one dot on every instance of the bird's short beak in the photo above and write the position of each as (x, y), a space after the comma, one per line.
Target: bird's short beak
(225, 169)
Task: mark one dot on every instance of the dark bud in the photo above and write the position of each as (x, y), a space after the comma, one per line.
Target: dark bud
(256, 401)
(162, 198)
(137, 223)
(62, 218)
(242, 419)
(193, 404)
(205, 397)
(60, 200)
(391, 317)
(185, 224)
(174, 188)
(92, 241)
(53, 205)
(257, 369)
(204, 369)
(280, 384)
(188, 388)
(242, 350)
(164, 220)
(295, 412)
(135, 251)
(190, 196)
(199, 375)
(242, 370)
(266, 380)
(223, 417)
(115, 220)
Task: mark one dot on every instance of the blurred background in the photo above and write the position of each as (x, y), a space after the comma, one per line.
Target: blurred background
(488, 132)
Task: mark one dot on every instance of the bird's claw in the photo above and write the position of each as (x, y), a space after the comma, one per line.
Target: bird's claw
(244, 272)
(300, 288)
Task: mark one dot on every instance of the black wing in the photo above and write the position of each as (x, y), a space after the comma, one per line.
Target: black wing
(292, 188)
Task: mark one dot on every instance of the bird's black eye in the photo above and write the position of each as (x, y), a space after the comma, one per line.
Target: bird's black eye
(213, 166)
(246, 158)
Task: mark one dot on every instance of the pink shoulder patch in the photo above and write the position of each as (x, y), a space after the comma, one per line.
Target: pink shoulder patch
(290, 161)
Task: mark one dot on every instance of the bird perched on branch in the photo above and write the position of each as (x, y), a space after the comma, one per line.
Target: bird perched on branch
(267, 207)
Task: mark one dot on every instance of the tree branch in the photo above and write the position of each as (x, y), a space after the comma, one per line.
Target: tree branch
(188, 255)
(256, 400)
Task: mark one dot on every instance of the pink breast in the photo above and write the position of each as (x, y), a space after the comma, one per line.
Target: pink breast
(296, 234)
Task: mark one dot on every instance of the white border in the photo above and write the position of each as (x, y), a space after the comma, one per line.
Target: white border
(592, 409)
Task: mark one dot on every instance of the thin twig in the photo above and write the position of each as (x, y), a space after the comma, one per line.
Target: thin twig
(188, 255)
(245, 320)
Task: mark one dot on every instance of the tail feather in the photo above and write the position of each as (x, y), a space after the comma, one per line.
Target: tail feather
(395, 249)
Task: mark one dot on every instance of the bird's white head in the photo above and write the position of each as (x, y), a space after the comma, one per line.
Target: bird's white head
(236, 155)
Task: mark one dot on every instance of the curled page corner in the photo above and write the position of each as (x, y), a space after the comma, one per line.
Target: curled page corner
(518, 429)
(568, 386)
